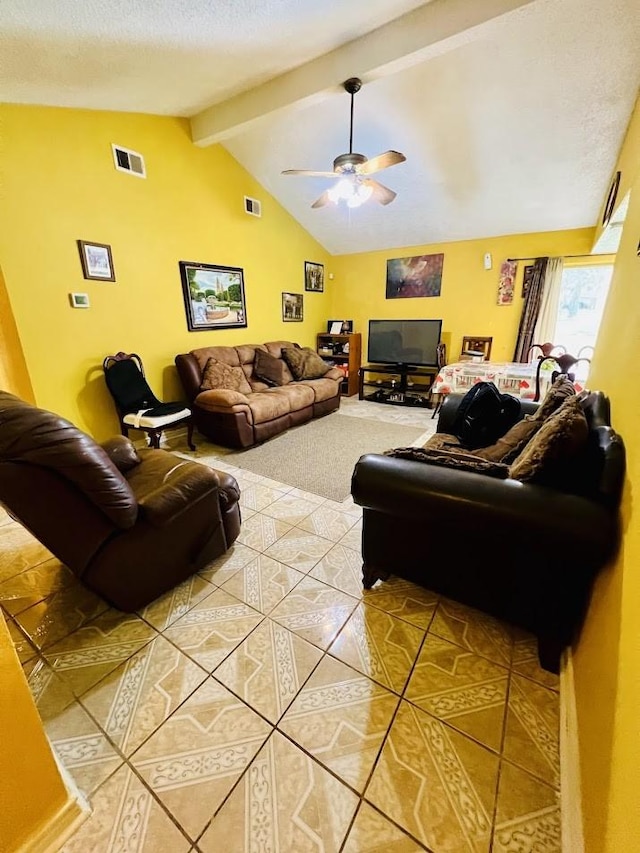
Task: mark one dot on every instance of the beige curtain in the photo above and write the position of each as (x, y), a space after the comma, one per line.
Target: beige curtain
(545, 328)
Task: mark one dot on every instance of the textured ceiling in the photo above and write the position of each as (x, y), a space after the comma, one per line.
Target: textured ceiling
(169, 57)
(515, 132)
(515, 129)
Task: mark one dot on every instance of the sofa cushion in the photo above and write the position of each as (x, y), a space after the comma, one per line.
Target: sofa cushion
(273, 371)
(558, 441)
(268, 405)
(323, 389)
(299, 395)
(512, 443)
(217, 374)
(561, 389)
(219, 399)
(458, 459)
(227, 354)
(304, 363)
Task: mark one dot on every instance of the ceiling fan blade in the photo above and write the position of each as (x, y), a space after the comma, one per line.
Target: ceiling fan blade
(323, 200)
(382, 161)
(310, 174)
(382, 194)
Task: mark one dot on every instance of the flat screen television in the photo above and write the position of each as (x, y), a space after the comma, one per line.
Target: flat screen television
(410, 342)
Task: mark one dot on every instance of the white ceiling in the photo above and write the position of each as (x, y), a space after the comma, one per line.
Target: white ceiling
(513, 128)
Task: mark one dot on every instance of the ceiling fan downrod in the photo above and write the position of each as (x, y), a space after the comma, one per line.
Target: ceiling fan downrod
(352, 85)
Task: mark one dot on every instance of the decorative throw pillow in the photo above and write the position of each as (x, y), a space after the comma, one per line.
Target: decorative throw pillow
(270, 369)
(559, 440)
(458, 459)
(440, 440)
(561, 389)
(217, 374)
(512, 442)
(304, 363)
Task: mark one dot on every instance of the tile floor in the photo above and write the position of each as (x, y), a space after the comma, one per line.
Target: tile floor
(269, 704)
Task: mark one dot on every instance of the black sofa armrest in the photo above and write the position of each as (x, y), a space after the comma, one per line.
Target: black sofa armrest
(426, 493)
(452, 402)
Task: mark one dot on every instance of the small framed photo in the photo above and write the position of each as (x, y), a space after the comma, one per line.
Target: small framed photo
(79, 300)
(313, 276)
(97, 262)
(340, 327)
(292, 307)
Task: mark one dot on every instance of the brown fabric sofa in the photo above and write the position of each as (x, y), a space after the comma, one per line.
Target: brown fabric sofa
(523, 552)
(241, 420)
(131, 524)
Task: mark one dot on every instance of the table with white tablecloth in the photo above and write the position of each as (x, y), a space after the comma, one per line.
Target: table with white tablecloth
(509, 377)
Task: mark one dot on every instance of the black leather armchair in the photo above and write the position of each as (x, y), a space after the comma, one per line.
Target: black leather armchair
(522, 552)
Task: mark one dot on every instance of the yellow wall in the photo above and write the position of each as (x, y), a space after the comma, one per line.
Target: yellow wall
(13, 370)
(31, 789)
(60, 185)
(607, 657)
(468, 301)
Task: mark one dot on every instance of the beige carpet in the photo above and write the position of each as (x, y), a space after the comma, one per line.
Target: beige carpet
(319, 456)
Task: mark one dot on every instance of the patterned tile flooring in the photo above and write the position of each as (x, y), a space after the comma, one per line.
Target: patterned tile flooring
(269, 704)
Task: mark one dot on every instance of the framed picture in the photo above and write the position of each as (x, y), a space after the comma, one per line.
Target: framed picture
(417, 276)
(213, 296)
(97, 262)
(313, 276)
(508, 270)
(527, 275)
(292, 307)
(340, 327)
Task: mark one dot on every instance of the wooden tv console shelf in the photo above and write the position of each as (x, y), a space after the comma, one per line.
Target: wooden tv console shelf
(410, 388)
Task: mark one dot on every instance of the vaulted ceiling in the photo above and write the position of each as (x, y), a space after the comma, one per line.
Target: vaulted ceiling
(510, 112)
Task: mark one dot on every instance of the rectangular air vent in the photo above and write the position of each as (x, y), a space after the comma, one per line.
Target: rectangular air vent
(252, 206)
(126, 160)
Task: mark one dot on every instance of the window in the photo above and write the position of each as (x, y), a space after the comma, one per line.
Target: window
(583, 293)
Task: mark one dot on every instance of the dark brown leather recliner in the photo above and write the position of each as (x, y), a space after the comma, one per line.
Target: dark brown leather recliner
(522, 552)
(131, 524)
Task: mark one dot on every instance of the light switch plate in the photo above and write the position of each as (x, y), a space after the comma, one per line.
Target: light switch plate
(487, 261)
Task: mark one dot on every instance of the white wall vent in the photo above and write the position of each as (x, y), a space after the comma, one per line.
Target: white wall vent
(126, 160)
(252, 206)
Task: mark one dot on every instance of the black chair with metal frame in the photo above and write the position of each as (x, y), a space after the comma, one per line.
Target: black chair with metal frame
(441, 358)
(136, 404)
(565, 362)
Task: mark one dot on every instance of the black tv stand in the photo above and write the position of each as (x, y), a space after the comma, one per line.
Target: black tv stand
(403, 391)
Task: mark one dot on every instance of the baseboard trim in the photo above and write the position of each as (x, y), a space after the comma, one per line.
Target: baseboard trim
(50, 837)
(570, 784)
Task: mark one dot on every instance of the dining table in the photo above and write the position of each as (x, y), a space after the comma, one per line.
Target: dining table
(509, 377)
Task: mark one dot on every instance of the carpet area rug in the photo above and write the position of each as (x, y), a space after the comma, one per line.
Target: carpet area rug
(319, 456)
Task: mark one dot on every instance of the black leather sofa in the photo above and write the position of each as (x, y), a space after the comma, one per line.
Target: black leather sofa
(524, 553)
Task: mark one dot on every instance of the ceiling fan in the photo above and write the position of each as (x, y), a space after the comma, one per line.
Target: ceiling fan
(355, 185)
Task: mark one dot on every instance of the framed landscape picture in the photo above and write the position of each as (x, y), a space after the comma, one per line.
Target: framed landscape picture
(213, 296)
(97, 263)
(313, 276)
(292, 307)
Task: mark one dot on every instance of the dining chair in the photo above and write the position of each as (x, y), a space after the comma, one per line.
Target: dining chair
(476, 344)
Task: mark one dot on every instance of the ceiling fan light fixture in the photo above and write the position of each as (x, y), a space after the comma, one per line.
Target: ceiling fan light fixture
(353, 171)
(343, 190)
(361, 193)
